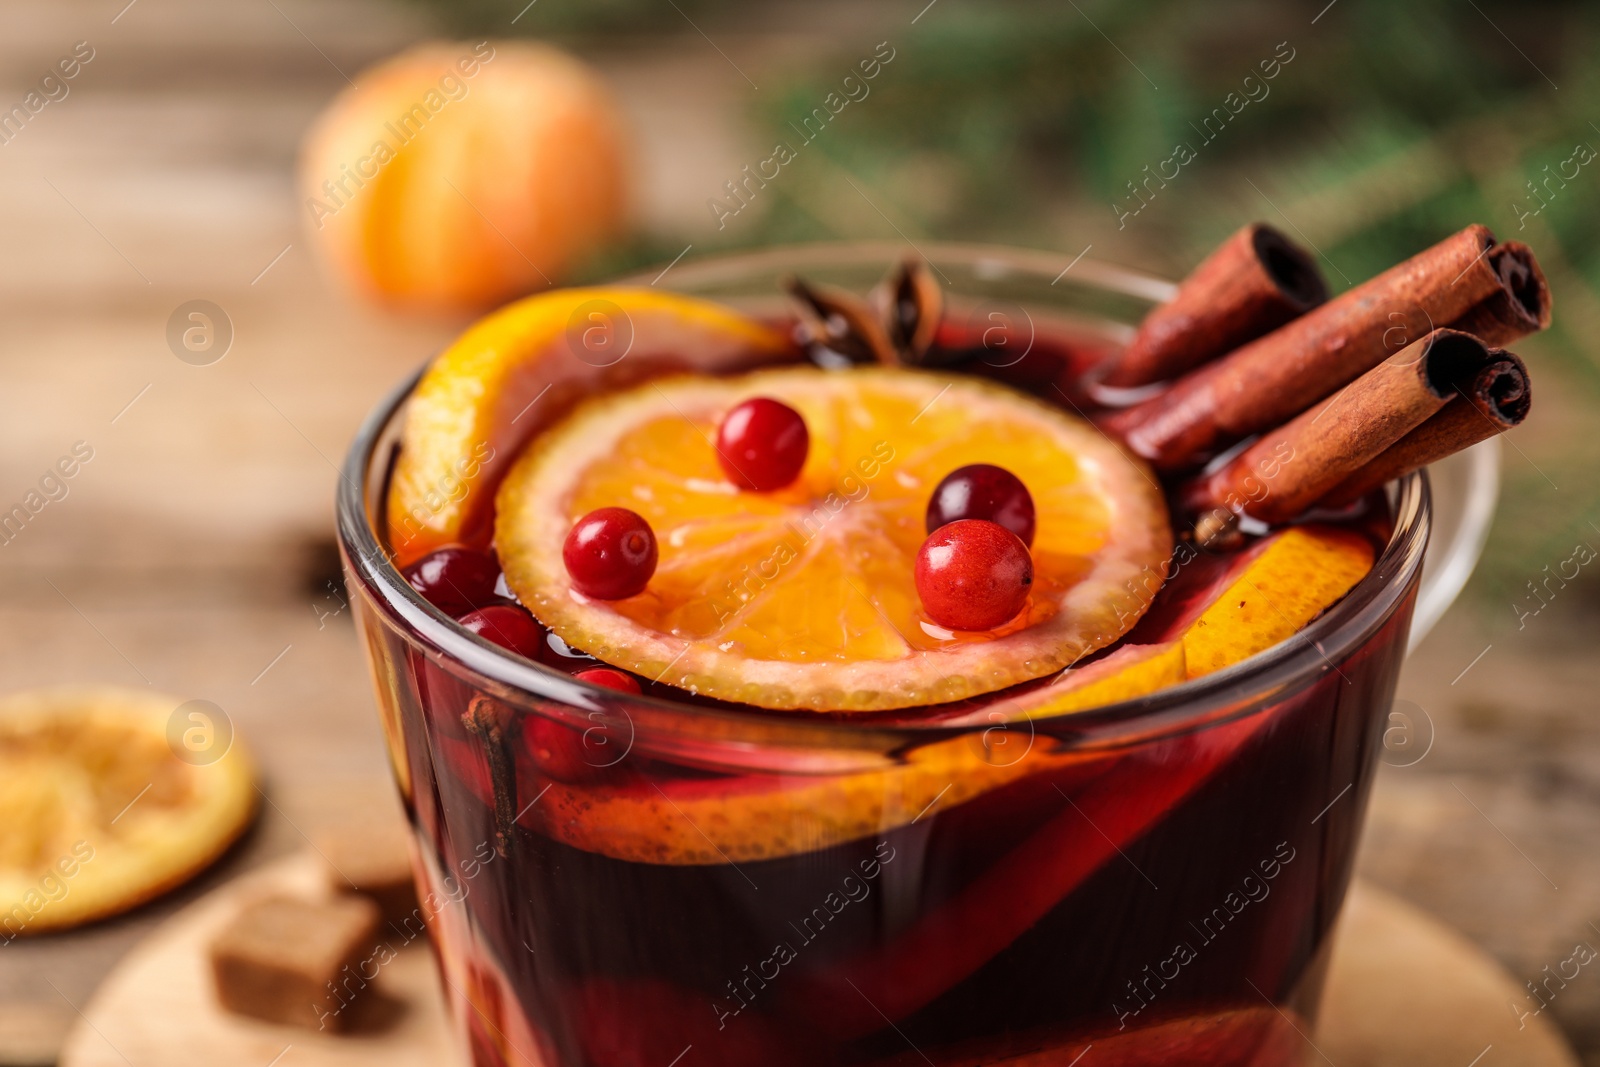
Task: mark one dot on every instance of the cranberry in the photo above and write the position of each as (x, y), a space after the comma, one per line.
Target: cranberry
(610, 679)
(610, 554)
(983, 491)
(563, 752)
(508, 626)
(762, 444)
(575, 753)
(455, 580)
(973, 575)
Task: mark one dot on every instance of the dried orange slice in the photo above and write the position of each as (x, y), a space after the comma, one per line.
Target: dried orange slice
(98, 811)
(517, 370)
(805, 597)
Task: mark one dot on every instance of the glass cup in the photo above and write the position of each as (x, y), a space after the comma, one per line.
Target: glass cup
(1158, 878)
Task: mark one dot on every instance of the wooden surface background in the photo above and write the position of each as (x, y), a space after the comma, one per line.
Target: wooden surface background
(192, 552)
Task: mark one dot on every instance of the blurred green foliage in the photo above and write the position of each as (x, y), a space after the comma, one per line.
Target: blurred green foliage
(1024, 122)
(570, 18)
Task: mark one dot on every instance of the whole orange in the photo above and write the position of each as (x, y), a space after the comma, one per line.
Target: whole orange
(454, 176)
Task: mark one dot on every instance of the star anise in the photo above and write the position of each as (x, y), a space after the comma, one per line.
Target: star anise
(897, 324)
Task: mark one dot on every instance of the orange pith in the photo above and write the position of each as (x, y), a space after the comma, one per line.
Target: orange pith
(804, 597)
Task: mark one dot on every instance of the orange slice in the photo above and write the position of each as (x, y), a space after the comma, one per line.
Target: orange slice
(750, 817)
(1294, 577)
(519, 369)
(805, 597)
(709, 821)
(1130, 671)
(98, 810)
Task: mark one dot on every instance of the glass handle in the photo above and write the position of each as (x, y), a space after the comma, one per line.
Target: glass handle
(1466, 488)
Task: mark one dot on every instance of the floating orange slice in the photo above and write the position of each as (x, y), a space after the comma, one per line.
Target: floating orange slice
(805, 597)
(517, 370)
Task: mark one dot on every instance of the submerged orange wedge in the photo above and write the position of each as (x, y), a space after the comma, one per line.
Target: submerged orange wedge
(707, 821)
(805, 597)
(1291, 579)
(516, 371)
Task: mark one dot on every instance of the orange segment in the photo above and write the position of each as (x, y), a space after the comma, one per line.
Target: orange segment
(518, 370)
(1298, 575)
(805, 597)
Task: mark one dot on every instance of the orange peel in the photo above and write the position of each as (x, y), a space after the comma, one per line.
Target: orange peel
(516, 371)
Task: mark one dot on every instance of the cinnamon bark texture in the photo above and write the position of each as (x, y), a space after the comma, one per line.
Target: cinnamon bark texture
(1254, 282)
(1497, 398)
(1520, 307)
(1290, 468)
(1272, 379)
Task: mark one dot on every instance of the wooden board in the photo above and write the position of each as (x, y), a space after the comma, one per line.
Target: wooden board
(157, 1006)
(1403, 991)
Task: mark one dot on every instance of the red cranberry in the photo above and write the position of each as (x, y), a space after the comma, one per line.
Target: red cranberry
(610, 554)
(973, 575)
(563, 752)
(762, 444)
(983, 491)
(610, 679)
(508, 626)
(455, 580)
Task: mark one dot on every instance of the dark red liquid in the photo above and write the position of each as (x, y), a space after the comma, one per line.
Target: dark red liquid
(1169, 902)
(1160, 936)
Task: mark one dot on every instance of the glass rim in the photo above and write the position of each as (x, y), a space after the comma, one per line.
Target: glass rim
(1224, 695)
(986, 260)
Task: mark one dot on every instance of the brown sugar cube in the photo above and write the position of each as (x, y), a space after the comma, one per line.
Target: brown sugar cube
(372, 859)
(284, 960)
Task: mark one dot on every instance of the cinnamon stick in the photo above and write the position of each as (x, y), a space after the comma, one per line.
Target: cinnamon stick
(1497, 398)
(1254, 282)
(1290, 468)
(1519, 308)
(1273, 378)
